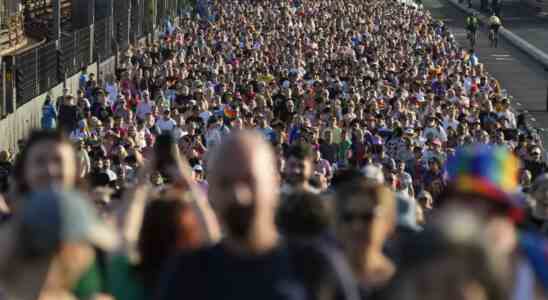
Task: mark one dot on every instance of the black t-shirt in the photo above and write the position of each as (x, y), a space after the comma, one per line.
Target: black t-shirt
(181, 99)
(214, 273)
(5, 172)
(102, 112)
(291, 271)
(536, 168)
(69, 115)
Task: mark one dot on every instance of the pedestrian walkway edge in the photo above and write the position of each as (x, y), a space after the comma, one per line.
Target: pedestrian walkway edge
(534, 52)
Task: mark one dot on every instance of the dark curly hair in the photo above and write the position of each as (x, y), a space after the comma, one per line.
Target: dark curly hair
(304, 215)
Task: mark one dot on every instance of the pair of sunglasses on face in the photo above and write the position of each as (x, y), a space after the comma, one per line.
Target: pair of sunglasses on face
(365, 217)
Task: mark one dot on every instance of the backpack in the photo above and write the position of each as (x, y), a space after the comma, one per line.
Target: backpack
(472, 22)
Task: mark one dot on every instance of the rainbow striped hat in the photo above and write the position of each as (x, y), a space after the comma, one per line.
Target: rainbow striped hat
(487, 170)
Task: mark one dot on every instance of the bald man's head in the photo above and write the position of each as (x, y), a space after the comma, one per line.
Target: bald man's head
(243, 183)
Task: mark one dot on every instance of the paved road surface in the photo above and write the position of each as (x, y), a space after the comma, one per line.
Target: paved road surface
(524, 21)
(522, 77)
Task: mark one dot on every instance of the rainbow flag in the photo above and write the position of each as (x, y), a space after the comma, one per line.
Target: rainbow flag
(229, 112)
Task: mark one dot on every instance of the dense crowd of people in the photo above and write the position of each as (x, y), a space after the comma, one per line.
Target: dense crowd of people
(281, 150)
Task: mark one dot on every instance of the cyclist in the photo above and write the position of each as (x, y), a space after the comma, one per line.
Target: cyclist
(472, 25)
(494, 25)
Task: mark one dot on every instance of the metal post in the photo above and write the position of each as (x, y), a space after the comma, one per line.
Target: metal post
(3, 109)
(546, 73)
(547, 95)
(56, 7)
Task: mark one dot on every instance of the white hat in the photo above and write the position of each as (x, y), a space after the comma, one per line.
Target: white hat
(373, 173)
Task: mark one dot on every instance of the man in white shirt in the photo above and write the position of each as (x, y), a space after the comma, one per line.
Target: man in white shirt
(179, 131)
(451, 120)
(145, 107)
(165, 123)
(112, 89)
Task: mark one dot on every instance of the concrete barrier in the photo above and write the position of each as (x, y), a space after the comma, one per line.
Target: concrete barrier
(534, 52)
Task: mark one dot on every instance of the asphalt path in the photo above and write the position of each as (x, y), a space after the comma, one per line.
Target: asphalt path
(525, 80)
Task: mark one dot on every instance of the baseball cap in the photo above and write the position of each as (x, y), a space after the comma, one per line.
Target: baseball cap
(373, 173)
(50, 217)
(409, 131)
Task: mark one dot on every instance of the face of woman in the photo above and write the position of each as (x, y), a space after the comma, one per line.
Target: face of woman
(50, 163)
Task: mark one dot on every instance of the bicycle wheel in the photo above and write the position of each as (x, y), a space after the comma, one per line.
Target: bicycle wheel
(472, 41)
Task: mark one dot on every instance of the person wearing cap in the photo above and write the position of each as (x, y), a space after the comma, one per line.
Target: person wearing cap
(165, 123)
(433, 127)
(50, 243)
(483, 181)
(535, 162)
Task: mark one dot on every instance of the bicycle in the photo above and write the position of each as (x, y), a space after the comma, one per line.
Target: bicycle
(493, 38)
(472, 37)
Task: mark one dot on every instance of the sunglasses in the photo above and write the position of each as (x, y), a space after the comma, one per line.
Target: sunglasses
(364, 217)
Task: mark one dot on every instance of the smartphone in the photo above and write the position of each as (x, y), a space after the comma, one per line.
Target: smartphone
(167, 154)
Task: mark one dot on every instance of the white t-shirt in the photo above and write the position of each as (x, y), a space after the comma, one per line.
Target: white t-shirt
(144, 108)
(178, 133)
(165, 125)
(450, 123)
(205, 116)
(112, 91)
